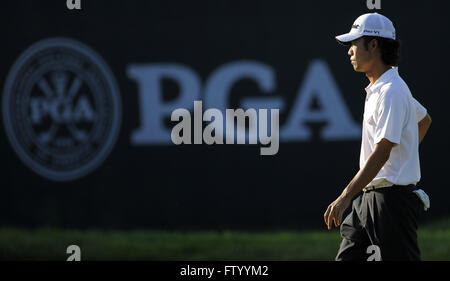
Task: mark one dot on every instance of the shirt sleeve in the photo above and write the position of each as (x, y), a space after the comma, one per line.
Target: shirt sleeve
(420, 110)
(390, 116)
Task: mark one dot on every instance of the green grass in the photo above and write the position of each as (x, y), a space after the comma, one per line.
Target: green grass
(51, 244)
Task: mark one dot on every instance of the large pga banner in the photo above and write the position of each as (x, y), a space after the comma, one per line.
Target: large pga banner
(214, 115)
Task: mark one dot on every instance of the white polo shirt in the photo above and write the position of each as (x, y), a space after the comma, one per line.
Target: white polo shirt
(391, 112)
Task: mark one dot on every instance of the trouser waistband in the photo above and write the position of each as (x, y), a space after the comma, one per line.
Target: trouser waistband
(373, 187)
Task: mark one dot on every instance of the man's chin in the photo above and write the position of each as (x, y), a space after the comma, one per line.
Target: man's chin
(357, 69)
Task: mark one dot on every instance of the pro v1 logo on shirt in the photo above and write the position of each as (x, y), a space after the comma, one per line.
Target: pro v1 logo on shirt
(61, 109)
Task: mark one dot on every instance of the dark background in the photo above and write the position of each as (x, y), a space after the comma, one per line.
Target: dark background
(200, 187)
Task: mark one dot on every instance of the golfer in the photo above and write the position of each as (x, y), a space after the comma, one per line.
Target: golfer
(384, 216)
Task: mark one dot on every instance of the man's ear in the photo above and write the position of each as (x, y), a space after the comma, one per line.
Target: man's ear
(373, 44)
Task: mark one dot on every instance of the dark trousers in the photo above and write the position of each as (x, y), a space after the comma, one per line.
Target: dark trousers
(385, 217)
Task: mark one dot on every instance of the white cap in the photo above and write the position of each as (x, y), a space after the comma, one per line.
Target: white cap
(372, 24)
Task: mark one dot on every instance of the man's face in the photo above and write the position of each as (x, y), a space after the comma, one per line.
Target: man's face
(360, 57)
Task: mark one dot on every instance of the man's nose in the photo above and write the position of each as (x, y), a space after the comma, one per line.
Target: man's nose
(350, 51)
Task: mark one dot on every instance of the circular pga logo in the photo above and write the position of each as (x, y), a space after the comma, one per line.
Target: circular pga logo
(61, 109)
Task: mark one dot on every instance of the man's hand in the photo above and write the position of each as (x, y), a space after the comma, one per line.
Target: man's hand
(336, 210)
(374, 162)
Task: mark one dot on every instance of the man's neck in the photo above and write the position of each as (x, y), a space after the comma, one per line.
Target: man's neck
(376, 72)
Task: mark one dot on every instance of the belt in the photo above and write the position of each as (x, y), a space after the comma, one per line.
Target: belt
(380, 185)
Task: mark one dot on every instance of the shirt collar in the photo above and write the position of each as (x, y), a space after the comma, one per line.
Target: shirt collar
(383, 79)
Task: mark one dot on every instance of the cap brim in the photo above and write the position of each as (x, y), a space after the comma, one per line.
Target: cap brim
(346, 39)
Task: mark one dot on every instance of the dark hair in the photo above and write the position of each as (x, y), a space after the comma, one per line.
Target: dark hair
(389, 48)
